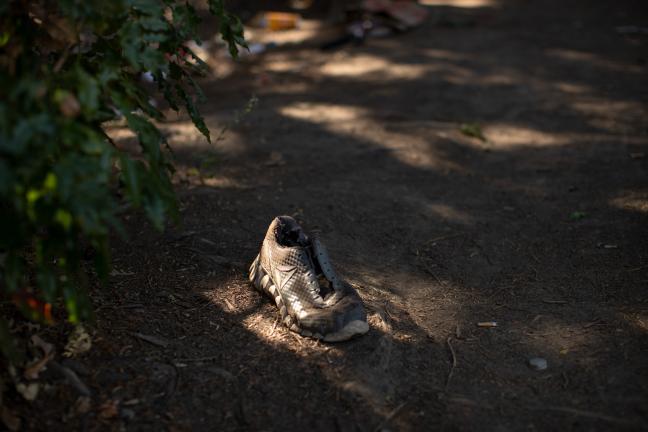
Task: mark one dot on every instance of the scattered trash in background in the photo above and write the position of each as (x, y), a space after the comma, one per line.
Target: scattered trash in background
(276, 21)
(352, 22)
(379, 18)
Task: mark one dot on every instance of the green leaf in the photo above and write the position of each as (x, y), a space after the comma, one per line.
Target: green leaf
(170, 96)
(155, 24)
(577, 215)
(217, 7)
(196, 118)
(49, 185)
(46, 280)
(71, 304)
(151, 59)
(64, 218)
(88, 93)
(130, 177)
(185, 20)
(102, 259)
(4, 38)
(149, 7)
(149, 136)
(155, 210)
(472, 130)
(58, 167)
(130, 38)
(26, 130)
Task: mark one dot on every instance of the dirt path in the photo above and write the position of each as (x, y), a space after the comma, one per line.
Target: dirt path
(541, 228)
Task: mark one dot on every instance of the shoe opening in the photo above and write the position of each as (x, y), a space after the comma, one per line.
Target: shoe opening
(326, 287)
(289, 233)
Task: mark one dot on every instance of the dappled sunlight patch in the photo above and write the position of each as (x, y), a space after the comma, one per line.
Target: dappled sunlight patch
(266, 327)
(430, 299)
(559, 339)
(192, 176)
(366, 65)
(117, 133)
(223, 182)
(610, 114)
(508, 136)
(592, 59)
(461, 3)
(632, 201)
(417, 152)
(573, 88)
(439, 54)
(220, 66)
(284, 63)
(499, 79)
(502, 136)
(449, 213)
(638, 320)
(412, 147)
(285, 88)
(439, 311)
(184, 135)
(412, 150)
(469, 76)
(322, 112)
(255, 314)
(227, 296)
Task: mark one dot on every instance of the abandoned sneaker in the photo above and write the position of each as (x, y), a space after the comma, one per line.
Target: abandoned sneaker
(295, 271)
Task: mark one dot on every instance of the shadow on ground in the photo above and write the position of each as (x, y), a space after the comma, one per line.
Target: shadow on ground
(540, 227)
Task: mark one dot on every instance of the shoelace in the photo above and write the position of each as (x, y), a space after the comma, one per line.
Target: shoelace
(313, 284)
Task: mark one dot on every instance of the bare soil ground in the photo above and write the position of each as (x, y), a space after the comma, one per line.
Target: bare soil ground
(541, 228)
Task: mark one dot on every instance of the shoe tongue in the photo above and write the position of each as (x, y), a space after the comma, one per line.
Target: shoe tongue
(289, 233)
(320, 255)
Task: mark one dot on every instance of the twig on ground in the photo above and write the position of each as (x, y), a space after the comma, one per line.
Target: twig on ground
(589, 414)
(429, 270)
(554, 301)
(454, 362)
(458, 333)
(470, 402)
(229, 304)
(636, 269)
(565, 380)
(445, 237)
(151, 339)
(390, 416)
(196, 359)
(71, 377)
(274, 327)
(254, 323)
(173, 384)
(298, 339)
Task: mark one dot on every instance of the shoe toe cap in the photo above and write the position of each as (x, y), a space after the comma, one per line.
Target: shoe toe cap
(337, 323)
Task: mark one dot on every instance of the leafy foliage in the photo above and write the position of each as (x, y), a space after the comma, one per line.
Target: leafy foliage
(66, 68)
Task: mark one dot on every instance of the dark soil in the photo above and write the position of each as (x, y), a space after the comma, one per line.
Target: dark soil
(541, 228)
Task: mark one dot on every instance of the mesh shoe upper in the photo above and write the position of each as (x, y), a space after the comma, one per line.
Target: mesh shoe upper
(317, 299)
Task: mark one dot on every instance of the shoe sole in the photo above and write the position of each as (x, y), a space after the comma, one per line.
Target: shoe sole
(263, 282)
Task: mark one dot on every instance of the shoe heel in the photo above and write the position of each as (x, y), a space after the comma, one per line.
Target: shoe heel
(258, 276)
(262, 282)
(254, 268)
